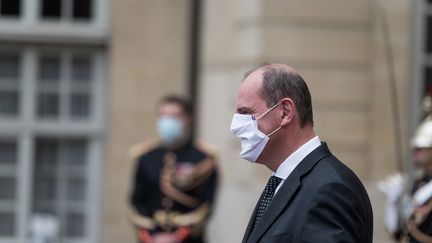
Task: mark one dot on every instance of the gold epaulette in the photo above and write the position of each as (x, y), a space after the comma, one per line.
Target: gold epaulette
(136, 150)
(139, 220)
(162, 217)
(194, 219)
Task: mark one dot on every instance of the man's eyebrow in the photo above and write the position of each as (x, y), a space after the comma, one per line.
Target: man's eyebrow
(244, 110)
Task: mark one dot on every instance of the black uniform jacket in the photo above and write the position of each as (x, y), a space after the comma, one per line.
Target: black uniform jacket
(322, 200)
(423, 228)
(149, 200)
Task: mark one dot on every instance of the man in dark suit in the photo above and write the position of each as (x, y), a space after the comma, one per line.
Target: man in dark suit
(311, 196)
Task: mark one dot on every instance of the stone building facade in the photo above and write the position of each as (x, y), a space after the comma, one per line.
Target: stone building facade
(105, 64)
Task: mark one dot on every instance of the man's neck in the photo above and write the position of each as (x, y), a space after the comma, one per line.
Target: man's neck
(285, 148)
(177, 145)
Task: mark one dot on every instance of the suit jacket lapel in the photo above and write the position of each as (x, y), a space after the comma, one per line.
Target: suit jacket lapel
(284, 195)
(275, 208)
(250, 224)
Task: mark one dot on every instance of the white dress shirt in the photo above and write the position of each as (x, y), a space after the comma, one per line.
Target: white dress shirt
(290, 163)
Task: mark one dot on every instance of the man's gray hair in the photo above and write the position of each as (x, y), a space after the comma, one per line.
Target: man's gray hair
(280, 82)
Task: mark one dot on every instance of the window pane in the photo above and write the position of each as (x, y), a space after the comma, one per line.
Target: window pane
(47, 105)
(7, 188)
(81, 69)
(77, 155)
(8, 151)
(10, 7)
(82, 9)
(428, 81)
(47, 152)
(75, 223)
(9, 103)
(51, 8)
(9, 67)
(7, 224)
(45, 188)
(45, 183)
(45, 170)
(79, 105)
(428, 34)
(76, 189)
(49, 69)
(59, 190)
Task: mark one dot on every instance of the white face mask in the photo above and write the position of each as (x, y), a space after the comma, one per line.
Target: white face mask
(252, 139)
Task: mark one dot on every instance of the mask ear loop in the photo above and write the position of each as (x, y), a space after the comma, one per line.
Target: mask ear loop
(277, 129)
(267, 111)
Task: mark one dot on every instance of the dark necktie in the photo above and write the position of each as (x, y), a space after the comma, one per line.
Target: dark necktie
(266, 197)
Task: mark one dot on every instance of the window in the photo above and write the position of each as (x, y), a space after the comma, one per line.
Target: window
(81, 9)
(428, 43)
(51, 8)
(7, 222)
(59, 181)
(421, 60)
(10, 8)
(49, 68)
(428, 80)
(9, 83)
(427, 47)
(76, 10)
(64, 82)
(81, 69)
(8, 150)
(47, 105)
(8, 173)
(50, 154)
(80, 104)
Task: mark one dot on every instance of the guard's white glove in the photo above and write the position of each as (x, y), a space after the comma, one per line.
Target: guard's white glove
(393, 188)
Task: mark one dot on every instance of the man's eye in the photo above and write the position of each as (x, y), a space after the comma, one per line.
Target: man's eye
(244, 111)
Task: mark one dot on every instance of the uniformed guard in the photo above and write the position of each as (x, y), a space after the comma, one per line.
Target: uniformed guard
(409, 211)
(175, 179)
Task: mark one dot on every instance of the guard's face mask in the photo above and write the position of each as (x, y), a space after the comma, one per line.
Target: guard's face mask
(170, 129)
(252, 139)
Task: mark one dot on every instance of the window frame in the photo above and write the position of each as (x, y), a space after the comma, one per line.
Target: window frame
(26, 128)
(29, 27)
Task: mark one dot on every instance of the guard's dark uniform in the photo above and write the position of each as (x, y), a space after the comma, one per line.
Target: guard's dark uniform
(409, 214)
(173, 190)
(418, 229)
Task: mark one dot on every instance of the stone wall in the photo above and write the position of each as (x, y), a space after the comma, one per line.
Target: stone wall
(148, 59)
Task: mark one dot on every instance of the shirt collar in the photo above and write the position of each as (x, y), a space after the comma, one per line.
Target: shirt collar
(290, 163)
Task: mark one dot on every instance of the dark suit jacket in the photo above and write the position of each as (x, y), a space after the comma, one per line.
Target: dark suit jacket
(322, 200)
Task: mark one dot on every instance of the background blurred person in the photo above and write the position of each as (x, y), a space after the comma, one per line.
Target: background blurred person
(175, 179)
(409, 212)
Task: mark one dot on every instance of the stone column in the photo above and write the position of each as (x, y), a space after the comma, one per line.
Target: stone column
(148, 59)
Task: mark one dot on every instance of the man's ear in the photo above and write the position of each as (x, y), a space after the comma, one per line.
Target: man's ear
(288, 110)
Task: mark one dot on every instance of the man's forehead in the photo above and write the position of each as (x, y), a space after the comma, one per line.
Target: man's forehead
(252, 83)
(249, 91)
(170, 109)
